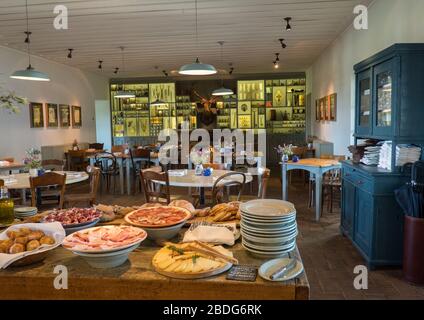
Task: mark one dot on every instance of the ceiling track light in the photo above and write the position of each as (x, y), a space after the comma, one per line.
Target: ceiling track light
(70, 53)
(100, 64)
(165, 73)
(116, 70)
(288, 26)
(283, 45)
(276, 62)
(28, 34)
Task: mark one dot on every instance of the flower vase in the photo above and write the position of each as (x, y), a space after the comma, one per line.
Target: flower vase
(198, 170)
(33, 172)
(285, 158)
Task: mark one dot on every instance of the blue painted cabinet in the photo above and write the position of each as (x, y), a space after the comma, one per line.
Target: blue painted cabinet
(389, 106)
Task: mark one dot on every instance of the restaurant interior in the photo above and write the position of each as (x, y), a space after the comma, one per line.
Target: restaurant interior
(212, 149)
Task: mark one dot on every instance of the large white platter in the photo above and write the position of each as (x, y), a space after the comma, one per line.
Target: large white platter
(269, 267)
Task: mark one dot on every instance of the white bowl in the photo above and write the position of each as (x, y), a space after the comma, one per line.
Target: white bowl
(107, 260)
(164, 233)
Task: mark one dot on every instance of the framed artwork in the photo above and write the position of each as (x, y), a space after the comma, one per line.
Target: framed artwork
(51, 115)
(322, 109)
(36, 115)
(64, 116)
(76, 117)
(317, 110)
(244, 107)
(279, 96)
(333, 107)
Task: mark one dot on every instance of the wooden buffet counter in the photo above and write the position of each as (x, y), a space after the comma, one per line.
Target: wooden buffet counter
(137, 280)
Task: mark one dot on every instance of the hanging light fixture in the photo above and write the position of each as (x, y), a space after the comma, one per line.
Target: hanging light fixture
(123, 94)
(222, 91)
(70, 53)
(100, 64)
(29, 73)
(197, 68)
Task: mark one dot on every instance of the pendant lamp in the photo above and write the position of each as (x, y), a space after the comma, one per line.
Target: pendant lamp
(124, 94)
(222, 91)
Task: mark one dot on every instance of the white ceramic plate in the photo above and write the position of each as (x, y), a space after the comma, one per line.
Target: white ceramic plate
(25, 210)
(266, 255)
(268, 208)
(266, 249)
(270, 240)
(269, 225)
(269, 267)
(268, 231)
(268, 219)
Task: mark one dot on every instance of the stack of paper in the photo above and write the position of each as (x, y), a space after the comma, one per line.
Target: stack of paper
(406, 153)
(385, 161)
(371, 155)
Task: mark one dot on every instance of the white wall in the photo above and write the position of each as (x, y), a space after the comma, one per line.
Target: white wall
(67, 86)
(103, 120)
(390, 21)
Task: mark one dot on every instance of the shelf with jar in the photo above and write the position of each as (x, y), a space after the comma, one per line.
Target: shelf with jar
(227, 112)
(186, 111)
(251, 104)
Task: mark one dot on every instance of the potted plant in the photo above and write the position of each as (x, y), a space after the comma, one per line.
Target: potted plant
(32, 161)
(285, 152)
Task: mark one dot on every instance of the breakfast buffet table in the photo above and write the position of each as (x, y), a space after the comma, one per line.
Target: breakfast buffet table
(136, 279)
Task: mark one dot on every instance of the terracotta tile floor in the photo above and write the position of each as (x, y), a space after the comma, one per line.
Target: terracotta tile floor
(329, 258)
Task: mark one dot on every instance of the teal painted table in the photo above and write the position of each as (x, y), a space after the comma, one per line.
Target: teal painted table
(315, 166)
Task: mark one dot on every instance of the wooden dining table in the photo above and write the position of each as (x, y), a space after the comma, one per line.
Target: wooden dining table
(11, 166)
(315, 166)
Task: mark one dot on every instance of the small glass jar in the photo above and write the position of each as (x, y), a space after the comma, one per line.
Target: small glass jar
(7, 206)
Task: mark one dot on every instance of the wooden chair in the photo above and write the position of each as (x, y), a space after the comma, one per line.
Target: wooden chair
(90, 197)
(119, 148)
(77, 160)
(223, 183)
(46, 180)
(1, 183)
(96, 146)
(208, 193)
(152, 191)
(53, 164)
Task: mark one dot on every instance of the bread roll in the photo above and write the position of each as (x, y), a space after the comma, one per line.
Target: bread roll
(17, 248)
(47, 240)
(183, 204)
(22, 240)
(32, 245)
(12, 234)
(35, 235)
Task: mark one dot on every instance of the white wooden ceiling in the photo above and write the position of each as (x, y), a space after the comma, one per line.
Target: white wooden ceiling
(161, 32)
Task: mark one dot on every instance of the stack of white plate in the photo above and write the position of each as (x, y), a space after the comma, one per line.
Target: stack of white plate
(268, 227)
(25, 212)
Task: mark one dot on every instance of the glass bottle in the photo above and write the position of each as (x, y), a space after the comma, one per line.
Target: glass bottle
(7, 213)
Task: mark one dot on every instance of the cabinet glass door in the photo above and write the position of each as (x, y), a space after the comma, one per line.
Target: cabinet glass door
(364, 103)
(383, 81)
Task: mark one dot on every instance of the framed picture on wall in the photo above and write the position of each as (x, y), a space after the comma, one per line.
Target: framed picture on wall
(64, 115)
(317, 113)
(76, 117)
(322, 109)
(51, 115)
(36, 115)
(333, 107)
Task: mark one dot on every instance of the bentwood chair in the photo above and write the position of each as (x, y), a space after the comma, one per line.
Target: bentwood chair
(226, 181)
(154, 192)
(208, 193)
(90, 197)
(109, 168)
(263, 184)
(48, 179)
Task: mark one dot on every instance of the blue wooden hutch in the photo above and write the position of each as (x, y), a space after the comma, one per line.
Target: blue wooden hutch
(390, 107)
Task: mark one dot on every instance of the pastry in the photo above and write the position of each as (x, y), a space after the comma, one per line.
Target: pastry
(32, 245)
(35, 235)
(47, 240)
(17, 248)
